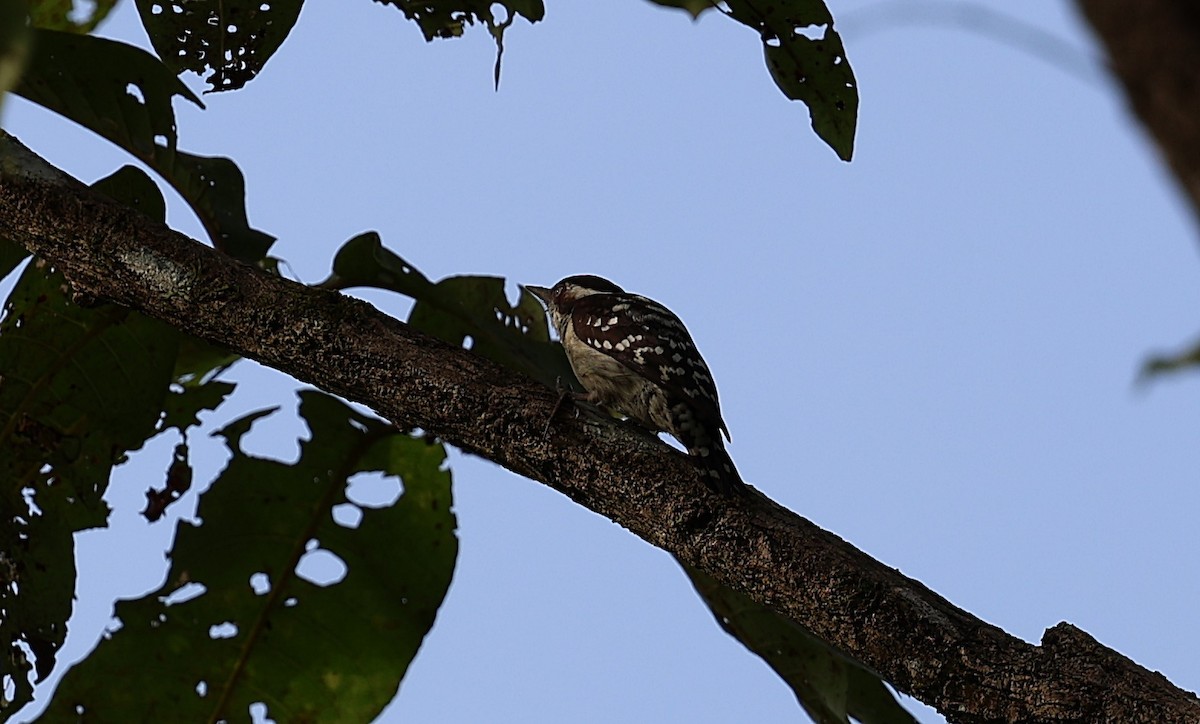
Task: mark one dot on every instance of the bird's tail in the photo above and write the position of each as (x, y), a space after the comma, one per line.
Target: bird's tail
(717, 470)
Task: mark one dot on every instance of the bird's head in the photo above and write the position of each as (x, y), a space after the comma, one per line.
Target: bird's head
(563, 295)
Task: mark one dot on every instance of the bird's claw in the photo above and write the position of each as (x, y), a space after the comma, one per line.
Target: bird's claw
(563, 393)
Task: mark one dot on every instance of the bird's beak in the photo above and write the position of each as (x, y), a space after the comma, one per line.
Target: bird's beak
(541, 293)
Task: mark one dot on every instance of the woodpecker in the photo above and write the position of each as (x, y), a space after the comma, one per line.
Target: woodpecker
(635, 358)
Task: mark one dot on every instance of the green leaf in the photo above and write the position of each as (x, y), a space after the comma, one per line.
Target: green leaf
(364, 262)
(236, 430)
(232, 38)
(178, 482)
(692, 7)
(124, 94)
(829, 685)
(14, 45)
(11, 254)
(216, 190)
(1159, 365)
(66, 15)
(132, 187)
(450, 19)
(198, 359)
(119, 91)
(183, 406)
(80, 388)
(260, 632)
(478, 307)
(456, 308)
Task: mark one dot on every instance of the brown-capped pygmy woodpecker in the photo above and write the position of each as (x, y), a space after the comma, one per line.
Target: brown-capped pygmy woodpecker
(634, 357)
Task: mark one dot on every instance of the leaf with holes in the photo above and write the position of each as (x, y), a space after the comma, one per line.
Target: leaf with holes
(80, 387)
(456, 308)
(829, 685)
(311, 648)
(119, 91)
(478, 307)
(450, 19)
(808, 62)
(233, 39)
(805, 57)
(124, 94)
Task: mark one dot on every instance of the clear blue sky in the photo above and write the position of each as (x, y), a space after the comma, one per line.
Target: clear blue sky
(930, 351)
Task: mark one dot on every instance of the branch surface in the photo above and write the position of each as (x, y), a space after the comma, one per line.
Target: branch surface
(968, 669)
(1154, 51)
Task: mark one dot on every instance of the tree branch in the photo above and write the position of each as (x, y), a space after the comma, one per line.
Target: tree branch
(1154, 50)
(923, 644)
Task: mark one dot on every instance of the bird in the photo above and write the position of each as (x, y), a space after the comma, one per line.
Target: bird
(636, 358)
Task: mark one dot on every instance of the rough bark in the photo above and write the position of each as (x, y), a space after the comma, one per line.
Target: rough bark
(968, 669)
(1154, 50)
